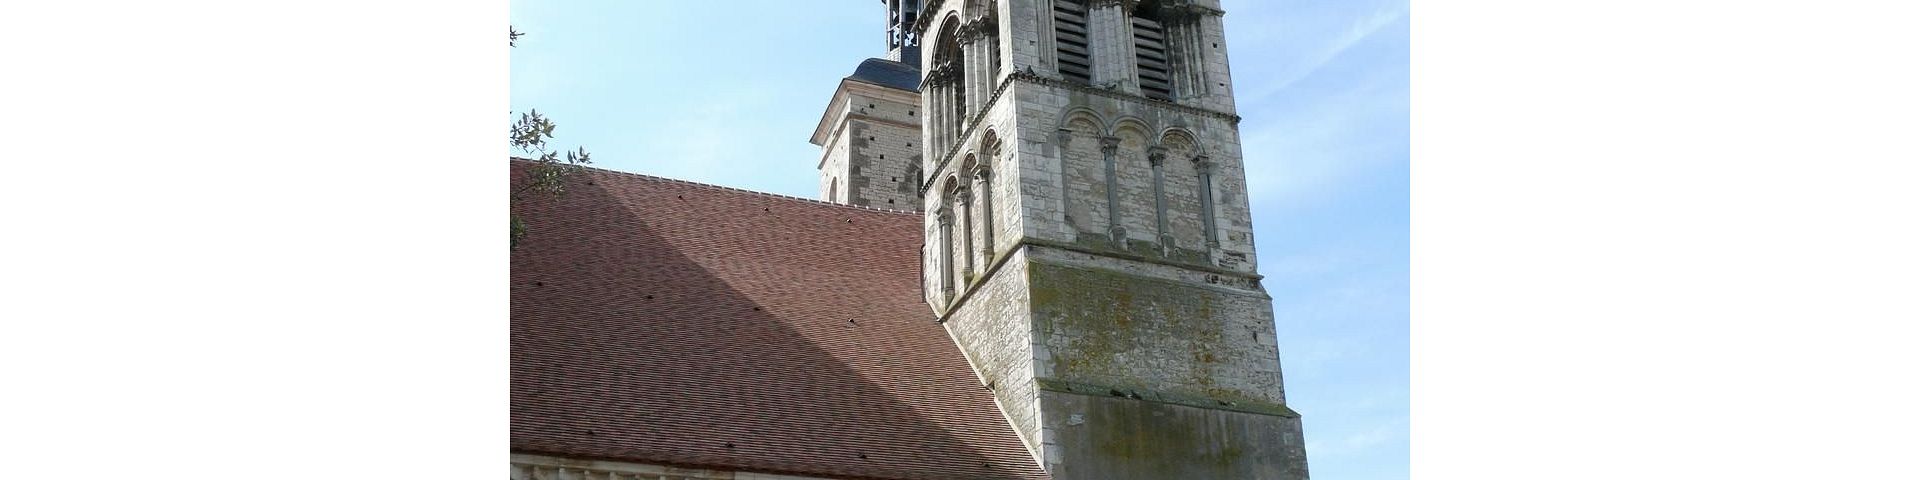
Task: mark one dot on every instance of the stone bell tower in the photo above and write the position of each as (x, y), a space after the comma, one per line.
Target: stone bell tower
(1089, 244)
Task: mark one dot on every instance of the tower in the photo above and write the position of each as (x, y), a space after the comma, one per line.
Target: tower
(869, 137)
(1088, 239)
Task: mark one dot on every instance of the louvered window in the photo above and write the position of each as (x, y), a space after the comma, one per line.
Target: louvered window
(1150, 55)
(1070, 39)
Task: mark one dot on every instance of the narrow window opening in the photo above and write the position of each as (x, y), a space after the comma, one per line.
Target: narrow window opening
(1150, 53)
(1070, 40)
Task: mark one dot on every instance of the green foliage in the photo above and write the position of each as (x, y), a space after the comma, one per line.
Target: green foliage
(549, 170)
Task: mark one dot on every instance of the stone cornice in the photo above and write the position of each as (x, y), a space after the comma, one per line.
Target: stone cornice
(1115, 94)
(1204, 268)
(1243, 406)
(1184, 11)
(943, 312)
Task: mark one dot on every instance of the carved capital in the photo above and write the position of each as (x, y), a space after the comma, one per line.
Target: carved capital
(1064, 136)
(1182, 12)
(1108, 145)
(1156, 155)
(964, 195)
(1126, 6)
(944, 216)
(982, 173)
(1203, 164)
(945, 72)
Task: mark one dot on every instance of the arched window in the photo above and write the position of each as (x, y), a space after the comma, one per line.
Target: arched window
(833, 190)
(950, 250)
(948, 98)
(983, 189)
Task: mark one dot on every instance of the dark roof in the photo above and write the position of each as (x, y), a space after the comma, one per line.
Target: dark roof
(888, 73)
(662, 321)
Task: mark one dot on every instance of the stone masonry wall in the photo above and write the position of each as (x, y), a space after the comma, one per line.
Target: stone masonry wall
(872, 158)
(1103, 323)
(993, 327)
(1063, 180)
(1150, 355)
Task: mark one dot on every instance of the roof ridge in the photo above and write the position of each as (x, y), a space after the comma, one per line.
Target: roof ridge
(775, 196)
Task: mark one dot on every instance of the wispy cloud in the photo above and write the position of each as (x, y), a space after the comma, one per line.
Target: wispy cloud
(1341, 112)
(1311, 58)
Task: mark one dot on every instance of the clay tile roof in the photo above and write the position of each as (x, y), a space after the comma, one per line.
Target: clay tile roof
(667, 322)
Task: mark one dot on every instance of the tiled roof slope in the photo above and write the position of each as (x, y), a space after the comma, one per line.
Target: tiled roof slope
(888, 73)
(662, 321)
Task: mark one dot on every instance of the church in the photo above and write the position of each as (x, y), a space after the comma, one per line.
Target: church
(1031, 257)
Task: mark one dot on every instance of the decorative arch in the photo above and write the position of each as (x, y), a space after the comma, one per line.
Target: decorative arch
(964, 195)
(1085, 116)
(946, 86)
(1180, 134)
(987, 31)
(1134, 210)
(945, 216)
(982, 174)
(1184, 193)
(1084, 171)
(1135, 125)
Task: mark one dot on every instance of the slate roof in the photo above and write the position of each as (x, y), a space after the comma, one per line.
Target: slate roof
(888, 73)
(668, 322)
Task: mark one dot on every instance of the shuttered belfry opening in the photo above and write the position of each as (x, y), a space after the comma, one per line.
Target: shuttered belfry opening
(1150, 53)
(1070, 39)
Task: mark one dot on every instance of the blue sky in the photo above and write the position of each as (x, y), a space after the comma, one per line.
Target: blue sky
(728, 95)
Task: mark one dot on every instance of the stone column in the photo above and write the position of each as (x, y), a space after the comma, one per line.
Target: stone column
(965, 196)
(1048, 54)
(945, 217)
(942, 95)
(969, 61)
(1110, 43)
(1109, 146)
(1205, 166)
(990, 73)
(1185, 52)
(944, 127)
(930, 113)
(1063, 140)
(1157, 156)
(983, 184)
